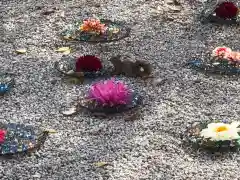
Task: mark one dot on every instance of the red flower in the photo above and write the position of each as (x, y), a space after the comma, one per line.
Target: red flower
(2, 135)
(88, 63)
(227, 10)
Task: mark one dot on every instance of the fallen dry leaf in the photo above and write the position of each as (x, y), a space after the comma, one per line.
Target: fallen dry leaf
(101, 164)
(21, 51)
(71, 72)
(70, 111)
(67, 52)
(51, 131)
(64, 50)
(62, 14)
(73, 80)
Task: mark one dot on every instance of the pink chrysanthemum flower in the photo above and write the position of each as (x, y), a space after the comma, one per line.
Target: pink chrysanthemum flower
(222, 52)
(110, 93)
(235, 57)
(226, 53)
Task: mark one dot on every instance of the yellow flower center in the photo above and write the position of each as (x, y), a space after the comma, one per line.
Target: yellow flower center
(221, 129)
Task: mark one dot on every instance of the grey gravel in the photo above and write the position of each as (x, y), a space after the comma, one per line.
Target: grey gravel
(147, 148)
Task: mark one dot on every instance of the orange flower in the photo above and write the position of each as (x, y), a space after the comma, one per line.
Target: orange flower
(222, 52)
(93, 25)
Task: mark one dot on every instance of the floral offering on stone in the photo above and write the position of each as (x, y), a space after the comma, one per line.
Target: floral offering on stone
(221, 61)
(82, 67)
(107, 97)
(111, 96)
(226, 54)
(215, 136)
(96, 30)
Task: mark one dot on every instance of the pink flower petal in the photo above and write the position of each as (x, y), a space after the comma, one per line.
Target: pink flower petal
(110, 92)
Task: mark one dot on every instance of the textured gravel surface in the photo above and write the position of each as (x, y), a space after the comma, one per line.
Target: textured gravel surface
(147, 148)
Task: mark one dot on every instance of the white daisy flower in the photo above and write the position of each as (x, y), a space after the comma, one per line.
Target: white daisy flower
(221, 131)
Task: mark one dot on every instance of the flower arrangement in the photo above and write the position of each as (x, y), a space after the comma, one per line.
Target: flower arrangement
(109, 93)
(215, 136)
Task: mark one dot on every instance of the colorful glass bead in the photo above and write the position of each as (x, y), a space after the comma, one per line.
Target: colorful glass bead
(85, 38)
(19, 148)
(13, 148)
(195, 63)
(11, 126)
(24, 147)
(224, 121)
(31, 145)
(5, 149)
(4, 88)
(215, 67)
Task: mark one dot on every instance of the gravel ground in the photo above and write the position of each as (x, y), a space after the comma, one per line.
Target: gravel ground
(147, 148)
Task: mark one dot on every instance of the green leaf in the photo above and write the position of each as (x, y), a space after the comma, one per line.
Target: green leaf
(70, 111)
(238, 142)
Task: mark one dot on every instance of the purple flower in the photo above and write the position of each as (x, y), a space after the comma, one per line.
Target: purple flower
(110, 93)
